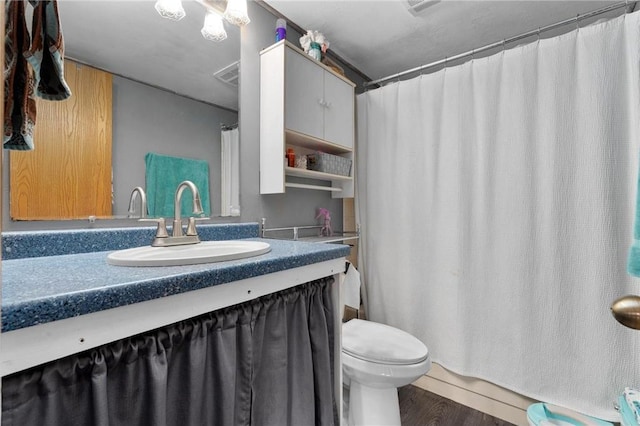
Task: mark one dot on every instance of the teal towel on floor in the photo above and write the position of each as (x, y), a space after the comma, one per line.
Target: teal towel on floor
(626, 413)
(164, 174)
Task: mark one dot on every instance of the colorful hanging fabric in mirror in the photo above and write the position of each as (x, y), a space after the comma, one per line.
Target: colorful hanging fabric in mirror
(43, 78)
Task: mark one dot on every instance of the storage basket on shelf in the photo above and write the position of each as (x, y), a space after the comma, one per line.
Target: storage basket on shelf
(328, 163)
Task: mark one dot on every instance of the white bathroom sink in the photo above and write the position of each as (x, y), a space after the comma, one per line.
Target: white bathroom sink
(191, 254)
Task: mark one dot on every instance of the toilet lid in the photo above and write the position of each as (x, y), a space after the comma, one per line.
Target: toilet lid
(381, 343)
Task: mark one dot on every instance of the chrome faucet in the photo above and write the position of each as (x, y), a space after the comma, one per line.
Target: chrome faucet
(143, 202)
(197, 209)
(177, 237)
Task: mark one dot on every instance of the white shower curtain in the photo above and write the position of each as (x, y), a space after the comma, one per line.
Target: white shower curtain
(496, 203)
(230, 172)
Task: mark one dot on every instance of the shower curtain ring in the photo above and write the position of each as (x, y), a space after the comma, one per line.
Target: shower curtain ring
(538, 33)
(578, 22)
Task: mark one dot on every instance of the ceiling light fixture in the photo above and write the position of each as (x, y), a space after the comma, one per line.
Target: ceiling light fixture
(213, 28)
(170, 9)
(235, 13)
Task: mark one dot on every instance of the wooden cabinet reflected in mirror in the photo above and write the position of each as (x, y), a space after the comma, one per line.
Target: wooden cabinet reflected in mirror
(68, 175)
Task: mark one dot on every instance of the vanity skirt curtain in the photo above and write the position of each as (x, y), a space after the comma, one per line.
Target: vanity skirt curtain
(496, 201)
(264, 362)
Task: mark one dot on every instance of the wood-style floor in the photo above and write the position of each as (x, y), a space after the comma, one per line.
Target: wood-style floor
(421, 408)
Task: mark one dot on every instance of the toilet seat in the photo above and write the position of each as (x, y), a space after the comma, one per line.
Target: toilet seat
(380, 343)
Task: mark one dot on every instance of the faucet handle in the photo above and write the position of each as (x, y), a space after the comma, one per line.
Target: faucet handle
(161, 231)
(191, 227)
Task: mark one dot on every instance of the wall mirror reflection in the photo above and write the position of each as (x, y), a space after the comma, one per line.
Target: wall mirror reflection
(141, 84)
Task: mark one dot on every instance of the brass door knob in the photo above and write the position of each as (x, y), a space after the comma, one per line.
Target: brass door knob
(626, 310)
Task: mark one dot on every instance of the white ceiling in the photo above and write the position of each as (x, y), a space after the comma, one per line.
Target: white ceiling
(381, 37)
(378, 37)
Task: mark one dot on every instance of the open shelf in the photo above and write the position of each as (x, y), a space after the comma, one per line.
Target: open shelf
(315, 144)
(316, 187)
(312, 174)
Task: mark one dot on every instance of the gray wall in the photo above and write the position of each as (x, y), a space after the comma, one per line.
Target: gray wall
(147, 119)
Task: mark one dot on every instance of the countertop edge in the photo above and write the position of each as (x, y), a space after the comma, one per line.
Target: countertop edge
(22, 314)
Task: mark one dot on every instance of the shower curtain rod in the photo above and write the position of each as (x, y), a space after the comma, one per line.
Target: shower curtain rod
(472, 52)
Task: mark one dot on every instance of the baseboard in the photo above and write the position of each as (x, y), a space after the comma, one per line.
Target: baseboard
(477, 394)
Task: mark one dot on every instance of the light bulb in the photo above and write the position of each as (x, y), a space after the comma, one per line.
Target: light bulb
(170, 9)
(213, 28)
(236, 12)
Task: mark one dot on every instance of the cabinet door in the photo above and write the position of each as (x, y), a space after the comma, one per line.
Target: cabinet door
(303, 95)
(339, 111)
(68, 175)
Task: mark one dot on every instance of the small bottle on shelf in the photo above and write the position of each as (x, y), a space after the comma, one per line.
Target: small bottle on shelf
(291, 157)
(281, 29)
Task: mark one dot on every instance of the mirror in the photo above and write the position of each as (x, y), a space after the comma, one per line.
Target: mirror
(166, 97)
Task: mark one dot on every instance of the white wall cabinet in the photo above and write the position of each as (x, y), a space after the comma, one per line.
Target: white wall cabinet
(307, 107)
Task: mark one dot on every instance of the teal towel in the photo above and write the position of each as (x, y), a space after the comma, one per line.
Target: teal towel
(626, 413)
(164, 174)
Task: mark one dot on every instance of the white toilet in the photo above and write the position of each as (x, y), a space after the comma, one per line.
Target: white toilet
(376, 360)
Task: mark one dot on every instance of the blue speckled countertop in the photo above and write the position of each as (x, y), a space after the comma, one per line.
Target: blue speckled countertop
(18, 245)
(37, 290)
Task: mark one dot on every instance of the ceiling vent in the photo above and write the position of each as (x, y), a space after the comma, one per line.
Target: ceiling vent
(229, 74)
(417, 6)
